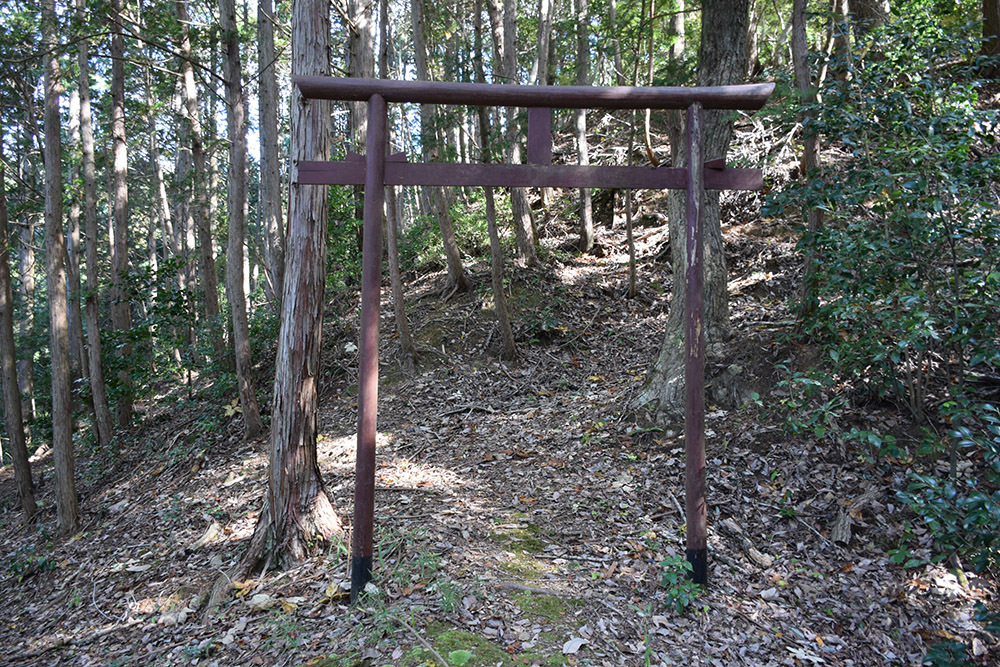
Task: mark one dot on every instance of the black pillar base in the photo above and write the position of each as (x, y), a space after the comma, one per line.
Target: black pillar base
(699, 565)
(361, 574)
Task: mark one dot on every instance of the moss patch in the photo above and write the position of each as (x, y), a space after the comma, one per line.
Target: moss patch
(524, 566)
(444, 641)
(543, 607)
(520, 538)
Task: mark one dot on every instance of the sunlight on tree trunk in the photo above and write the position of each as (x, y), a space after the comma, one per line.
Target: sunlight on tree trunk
(297, 514)
(8, 357)
(55, 272)
(722, 61)
(236, 206)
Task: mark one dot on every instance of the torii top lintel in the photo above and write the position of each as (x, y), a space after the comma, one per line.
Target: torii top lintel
(748, 97)
(540, 100)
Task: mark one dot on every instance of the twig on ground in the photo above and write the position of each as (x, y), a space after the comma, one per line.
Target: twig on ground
(424, 643)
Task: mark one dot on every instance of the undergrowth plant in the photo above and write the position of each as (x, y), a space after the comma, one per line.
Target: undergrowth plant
(906, 289)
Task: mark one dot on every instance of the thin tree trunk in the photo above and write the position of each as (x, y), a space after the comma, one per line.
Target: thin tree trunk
(647, 114)
(270, 178)
(457, 280)
(616, 44)
(406, 346)
(676, 32)
(98, 390)
(810, 151)
(580, 116)
(200, 205)
(77, 350)
(539, 76)
(121, 317)
(236, 203)
(509, 350)
(8, 357)
(55, 271)
(297, 514)
(26, 270)
(524, 234)
(991, 38)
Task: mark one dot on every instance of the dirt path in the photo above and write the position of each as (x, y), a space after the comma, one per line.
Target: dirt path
(524, 516)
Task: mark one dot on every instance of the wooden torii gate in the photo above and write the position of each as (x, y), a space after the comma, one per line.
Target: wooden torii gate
(374, 172)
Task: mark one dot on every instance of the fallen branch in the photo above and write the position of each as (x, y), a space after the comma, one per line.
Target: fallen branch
(424, 643)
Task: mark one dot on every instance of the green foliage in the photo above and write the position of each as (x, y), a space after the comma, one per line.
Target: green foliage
(343, 246)
(681, 592)
(24, 562)
(963, 512)
(807, 401)
(906, 289)
(950, 653)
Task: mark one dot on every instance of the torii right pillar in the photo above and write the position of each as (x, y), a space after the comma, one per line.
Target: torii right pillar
(694, 344)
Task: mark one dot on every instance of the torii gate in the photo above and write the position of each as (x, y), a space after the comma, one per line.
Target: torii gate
(374, 172)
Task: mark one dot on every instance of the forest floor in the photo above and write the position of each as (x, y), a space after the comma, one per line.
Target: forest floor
(524, 515)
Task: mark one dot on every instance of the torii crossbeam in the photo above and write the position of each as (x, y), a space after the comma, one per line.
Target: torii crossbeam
(374, 171)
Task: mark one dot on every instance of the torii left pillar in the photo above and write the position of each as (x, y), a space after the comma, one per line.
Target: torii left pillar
(371, 274)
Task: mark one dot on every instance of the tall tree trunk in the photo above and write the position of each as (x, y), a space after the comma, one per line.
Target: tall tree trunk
(722, 61)
(407, 349)
(509, 351)
(55, 273)
(77, 350)
(539, 76)
(867, 15)
(199, 205)
(8, 357)
(506, 58)
(297, 513)
(270, 178)
(810, 150)
(98, 390)
(236, 203)
(121, 317)
(991, 37)
(616, 44)
(580, 116)
(26, 270)
(457, 280)
(676, 32)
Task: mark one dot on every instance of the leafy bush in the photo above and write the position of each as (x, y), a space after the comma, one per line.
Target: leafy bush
(906, 288)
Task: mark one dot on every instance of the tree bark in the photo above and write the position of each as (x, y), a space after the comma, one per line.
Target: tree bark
(991, 37)
(722, 58)
(55, 272)
(26, 270)
(407, 349)
(77, 350)
(98, 390)
(236, 206)
(199, 204)
(8, 357)
(270, 179)
(539, 76)
(580, 117)
(810, 146)
(457, 280)
(509, 350)
(121, 317)
(297, 514)
(505, 37)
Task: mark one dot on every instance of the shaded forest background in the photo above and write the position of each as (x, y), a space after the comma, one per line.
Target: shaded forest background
(145, 158)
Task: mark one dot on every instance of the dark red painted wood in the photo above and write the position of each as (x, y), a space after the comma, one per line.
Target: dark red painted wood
(527, 175)
(694, 369)
(539, 135)
(371, 277)
(749, 96)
